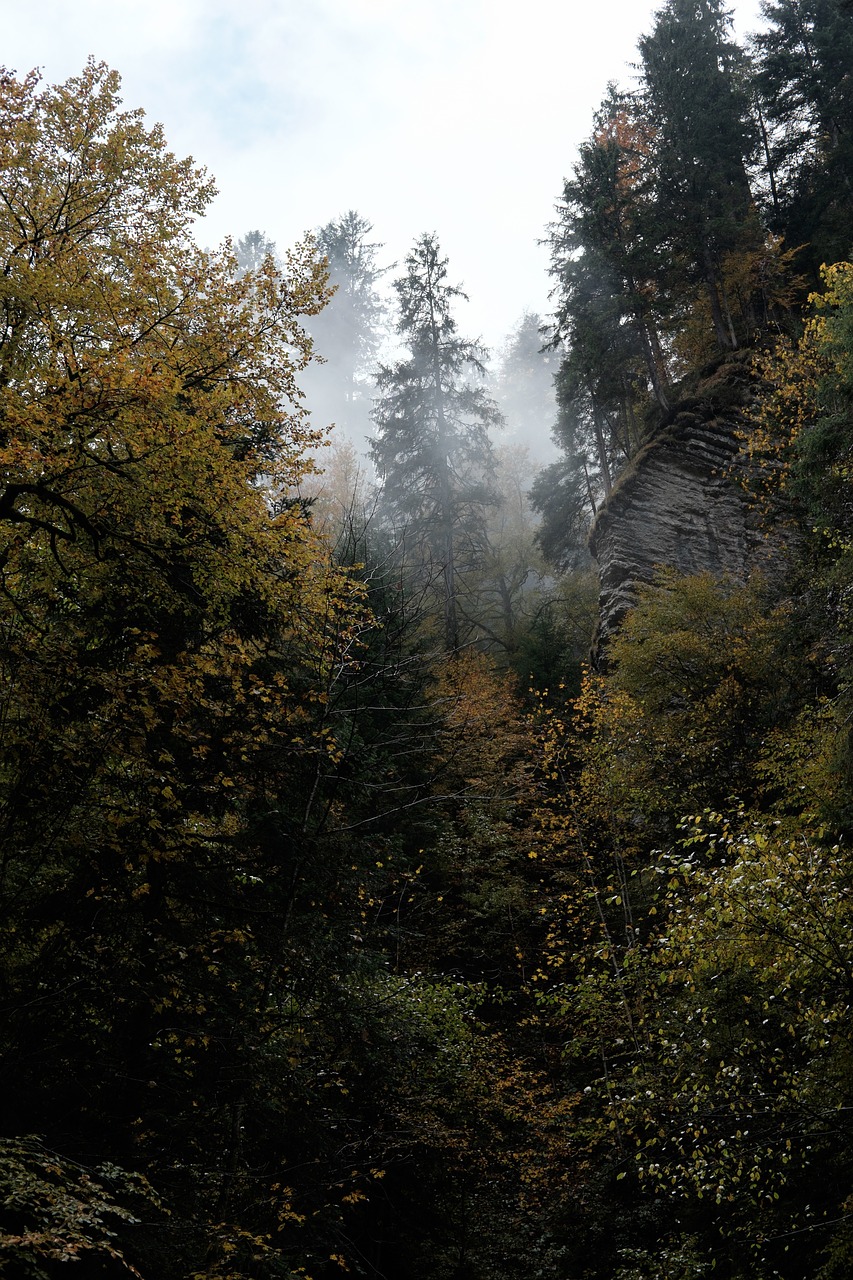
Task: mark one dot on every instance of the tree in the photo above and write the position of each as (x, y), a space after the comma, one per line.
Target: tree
(608, 268)
(610, 304)
(565, 496)
(803, 79)
(524, 386)
(169, 628)
(746, 1111)
(433, 417)
(55, 1211)
(252, 249)
(696, 102)
(234, 820)
(348, 333)
(508, 586)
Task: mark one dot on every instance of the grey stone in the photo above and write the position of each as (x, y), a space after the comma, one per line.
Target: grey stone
(679, 503)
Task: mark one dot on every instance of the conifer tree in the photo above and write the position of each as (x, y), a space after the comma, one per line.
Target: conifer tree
(697, 104)
(433, 417)
(805, 86)
(605, 257)
(356, 312)
(252, 249)
(605, 325)
(524, 387)
(348, 333)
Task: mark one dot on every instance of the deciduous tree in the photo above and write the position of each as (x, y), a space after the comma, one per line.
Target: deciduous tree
(170, 627)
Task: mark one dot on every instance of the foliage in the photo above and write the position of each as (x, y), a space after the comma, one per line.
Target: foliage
(222, 955)
(607, 320)
(697, 678)
(432, 448)
(697, 106)
(53, 1210)
(326, 948)
(659, 257)
(803, 424)
(802, 80)
(742, 1091)
(170, 630)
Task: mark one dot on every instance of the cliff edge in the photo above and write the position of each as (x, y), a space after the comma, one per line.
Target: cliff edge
(678, 504)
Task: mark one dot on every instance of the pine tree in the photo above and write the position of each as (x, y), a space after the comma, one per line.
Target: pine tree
(433, 417)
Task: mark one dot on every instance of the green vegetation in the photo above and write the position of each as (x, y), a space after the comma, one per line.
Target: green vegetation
(348, 924)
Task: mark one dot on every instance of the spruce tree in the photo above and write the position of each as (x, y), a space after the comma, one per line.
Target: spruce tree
(348, 333)
(697, 103)
(805, 86)
(605, 256)
(433, 417)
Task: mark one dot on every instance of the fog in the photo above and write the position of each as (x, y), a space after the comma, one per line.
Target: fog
(355, 333)
(460, 116)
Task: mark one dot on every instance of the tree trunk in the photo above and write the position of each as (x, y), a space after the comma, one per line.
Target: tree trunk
(725, 339)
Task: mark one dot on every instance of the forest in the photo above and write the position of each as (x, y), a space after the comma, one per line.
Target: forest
(363, 911)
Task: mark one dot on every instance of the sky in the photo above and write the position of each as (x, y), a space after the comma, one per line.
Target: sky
(460, 117)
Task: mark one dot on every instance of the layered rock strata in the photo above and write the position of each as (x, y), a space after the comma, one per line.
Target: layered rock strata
(679, 504)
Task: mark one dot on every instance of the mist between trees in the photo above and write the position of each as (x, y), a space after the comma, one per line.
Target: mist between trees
(350, 923)
(430, 457)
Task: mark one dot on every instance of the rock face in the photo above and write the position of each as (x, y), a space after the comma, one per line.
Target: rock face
(678, 504)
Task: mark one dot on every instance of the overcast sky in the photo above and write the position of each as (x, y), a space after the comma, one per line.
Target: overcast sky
(455, 116)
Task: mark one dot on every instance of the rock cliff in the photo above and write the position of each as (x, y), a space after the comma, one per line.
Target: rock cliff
(678, 503)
